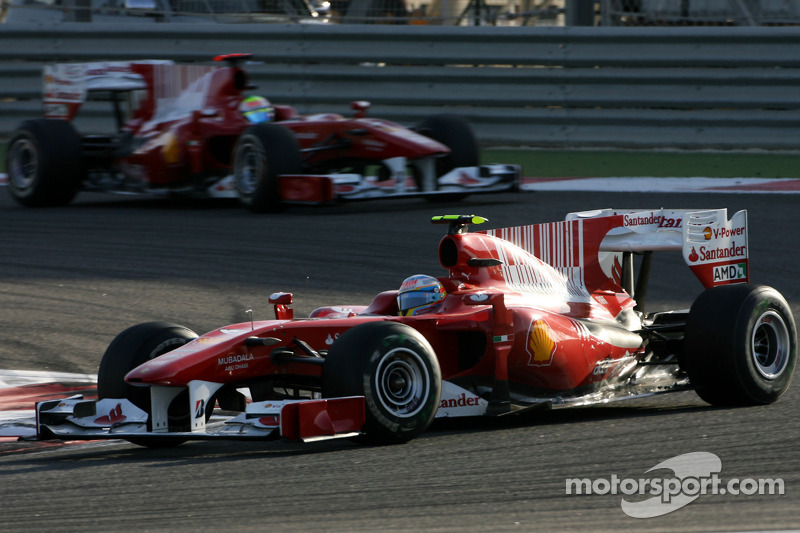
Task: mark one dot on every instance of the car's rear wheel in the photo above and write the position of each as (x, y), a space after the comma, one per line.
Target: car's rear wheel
(45, 163)
(262, 154)
(131, 348)
(740, 345)
(394, 367)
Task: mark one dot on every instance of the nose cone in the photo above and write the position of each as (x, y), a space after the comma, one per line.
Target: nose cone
(220, 356)
(164, 370)
(206, 358)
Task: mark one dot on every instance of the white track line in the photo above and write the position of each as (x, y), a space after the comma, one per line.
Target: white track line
(22, 423)
(20, 378)
(666, 185)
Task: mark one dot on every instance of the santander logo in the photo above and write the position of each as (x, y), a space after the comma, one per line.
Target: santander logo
(460, 401)
(114, 416)
(466, 179)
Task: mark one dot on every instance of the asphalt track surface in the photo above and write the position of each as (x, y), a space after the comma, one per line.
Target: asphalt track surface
(72, 278)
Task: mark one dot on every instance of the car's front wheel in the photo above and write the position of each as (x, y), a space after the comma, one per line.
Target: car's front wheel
(131, 348)
(740, 345)
(262, 154)
(394, 367)
(455, 133)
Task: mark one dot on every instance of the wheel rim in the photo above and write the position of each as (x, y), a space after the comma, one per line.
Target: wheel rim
(249, 168)
(23, 164)
(770, 345)
(403, 382)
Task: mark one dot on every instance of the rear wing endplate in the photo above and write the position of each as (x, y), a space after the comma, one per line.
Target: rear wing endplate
(715, 248)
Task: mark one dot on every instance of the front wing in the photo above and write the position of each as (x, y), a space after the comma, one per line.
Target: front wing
(305, 420)
(325, 188)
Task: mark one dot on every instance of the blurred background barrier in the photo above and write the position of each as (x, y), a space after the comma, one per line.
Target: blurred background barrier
(693, 87)
(425, 12)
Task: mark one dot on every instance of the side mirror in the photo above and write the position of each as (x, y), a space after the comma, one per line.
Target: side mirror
(282, 300)
(360, 107)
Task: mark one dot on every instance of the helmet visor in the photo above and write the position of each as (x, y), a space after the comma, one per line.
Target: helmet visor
(257, 115)
(413, 299)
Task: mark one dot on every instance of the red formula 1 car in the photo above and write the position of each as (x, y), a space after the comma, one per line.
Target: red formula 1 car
(529, 317)
(188, 130)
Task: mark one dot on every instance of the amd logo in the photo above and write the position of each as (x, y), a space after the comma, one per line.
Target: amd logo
(730, 272)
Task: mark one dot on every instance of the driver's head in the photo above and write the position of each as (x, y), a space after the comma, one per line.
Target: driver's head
(420, 294)
(257, 109)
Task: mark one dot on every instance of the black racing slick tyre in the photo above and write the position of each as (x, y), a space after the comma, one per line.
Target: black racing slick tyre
(740, 345)
(262, 154)
(394, 367)
(455, 133)
(131, 348)
(45, 163)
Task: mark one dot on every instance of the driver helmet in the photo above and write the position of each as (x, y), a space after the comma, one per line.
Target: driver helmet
(420, 294)
(257, 109)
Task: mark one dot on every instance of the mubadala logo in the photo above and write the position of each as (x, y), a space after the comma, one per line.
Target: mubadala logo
(238, 358)
(692, 475)
(730, 272)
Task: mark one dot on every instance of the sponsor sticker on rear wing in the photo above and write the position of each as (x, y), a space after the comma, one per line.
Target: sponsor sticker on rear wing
(715, 248)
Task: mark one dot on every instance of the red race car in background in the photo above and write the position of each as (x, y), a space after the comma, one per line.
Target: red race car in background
(193, 130)
(528, 317)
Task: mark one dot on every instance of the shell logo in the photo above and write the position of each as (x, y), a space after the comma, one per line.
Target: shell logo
(707, 233)
(541, 345)
(170, 148)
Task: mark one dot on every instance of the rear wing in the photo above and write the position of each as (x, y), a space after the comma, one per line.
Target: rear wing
(715, 248)
(593, 251)
(67, 85)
